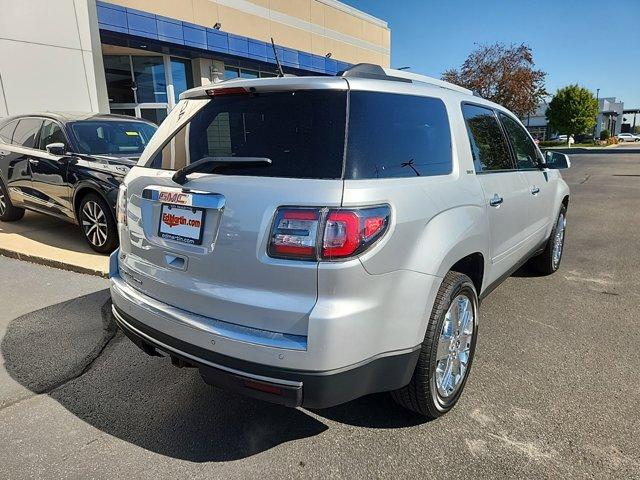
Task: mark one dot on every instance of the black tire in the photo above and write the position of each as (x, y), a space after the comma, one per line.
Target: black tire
(422, 395)
(102, 236)
(544, 263)
(8, 213)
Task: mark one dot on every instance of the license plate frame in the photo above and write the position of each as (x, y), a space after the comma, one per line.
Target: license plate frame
(187, 213)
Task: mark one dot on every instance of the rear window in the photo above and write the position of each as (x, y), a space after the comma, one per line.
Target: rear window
(393, 135)
(302, 132)
(112, 137)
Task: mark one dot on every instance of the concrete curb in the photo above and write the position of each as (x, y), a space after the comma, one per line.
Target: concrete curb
(52, 263)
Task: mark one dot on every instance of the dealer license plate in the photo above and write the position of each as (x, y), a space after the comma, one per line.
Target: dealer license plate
(181, 224)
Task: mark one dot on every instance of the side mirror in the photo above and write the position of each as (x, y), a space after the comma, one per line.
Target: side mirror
(556, 160)
(57, 149)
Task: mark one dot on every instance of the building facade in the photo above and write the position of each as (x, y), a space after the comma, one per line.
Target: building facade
(609, 116)
(135, 57)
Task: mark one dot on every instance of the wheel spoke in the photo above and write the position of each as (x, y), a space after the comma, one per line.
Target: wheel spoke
(443, 349)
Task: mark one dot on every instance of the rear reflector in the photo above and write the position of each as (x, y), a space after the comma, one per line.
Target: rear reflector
(345, 232)
(263, 387)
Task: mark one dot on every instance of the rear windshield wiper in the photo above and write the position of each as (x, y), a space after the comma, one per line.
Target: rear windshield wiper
(211, 164)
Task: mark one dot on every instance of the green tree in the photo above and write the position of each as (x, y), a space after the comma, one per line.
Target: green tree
(636, 129)
(572, 111)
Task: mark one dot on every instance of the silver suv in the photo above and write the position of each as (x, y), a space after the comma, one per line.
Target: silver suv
(311, 240)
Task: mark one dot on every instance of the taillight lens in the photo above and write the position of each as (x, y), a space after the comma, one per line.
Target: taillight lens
(350, 232)
(294, 233)
(345, 232)
(121, 206)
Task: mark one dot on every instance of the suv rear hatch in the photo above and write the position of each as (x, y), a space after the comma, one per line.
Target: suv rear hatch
(202, 246)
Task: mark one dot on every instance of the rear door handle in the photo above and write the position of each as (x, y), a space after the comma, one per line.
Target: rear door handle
(535, 190)
(496, 200)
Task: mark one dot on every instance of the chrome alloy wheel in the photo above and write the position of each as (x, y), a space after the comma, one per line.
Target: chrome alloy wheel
(94, 223)
(454, 346)
(3, 203)
(558, 241)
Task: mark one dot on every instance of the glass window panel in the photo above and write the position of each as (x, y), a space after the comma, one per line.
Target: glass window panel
(150, 79)
(231, 72)
(488, 145)
(526, 151)
(249, 74)
(181, 75)
(26, 132)
(117, 69)
(6, 132)
(50, 133)
(155, 115)
(392, 135)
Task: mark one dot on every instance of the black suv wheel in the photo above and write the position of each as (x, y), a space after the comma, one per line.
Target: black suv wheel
(8, 213)
(97, 223)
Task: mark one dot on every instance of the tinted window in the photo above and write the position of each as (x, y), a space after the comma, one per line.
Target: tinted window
(394, 135)
(301, 132)
(27, 131)
(488, 146)
(50, 133)
(112, 137)
(524, 148)
(6, 132)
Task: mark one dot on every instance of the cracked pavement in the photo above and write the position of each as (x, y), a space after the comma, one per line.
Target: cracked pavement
(554, 391)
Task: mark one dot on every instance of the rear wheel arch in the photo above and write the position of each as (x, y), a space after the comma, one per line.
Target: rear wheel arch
(82, 192)
(472, 266)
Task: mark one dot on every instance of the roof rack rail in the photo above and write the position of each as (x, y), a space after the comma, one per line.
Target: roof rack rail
(370, 70)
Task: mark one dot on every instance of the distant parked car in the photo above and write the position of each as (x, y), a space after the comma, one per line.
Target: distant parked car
(69, 166)
(628, 137)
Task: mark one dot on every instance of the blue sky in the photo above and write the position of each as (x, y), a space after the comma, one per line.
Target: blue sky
(593, 43)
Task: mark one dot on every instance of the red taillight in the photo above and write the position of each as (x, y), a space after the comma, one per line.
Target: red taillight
(345, 232)
(341, 234)
(294, 233)
(215, 92)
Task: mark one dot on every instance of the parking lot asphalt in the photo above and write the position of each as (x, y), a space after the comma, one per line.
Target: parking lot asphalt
(554, 391)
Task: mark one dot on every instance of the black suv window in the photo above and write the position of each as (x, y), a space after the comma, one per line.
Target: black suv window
(27, 131)
(488, 145)
(50, 133)
(302, 132)
(524, 148)
(6, 132)
(393, 135)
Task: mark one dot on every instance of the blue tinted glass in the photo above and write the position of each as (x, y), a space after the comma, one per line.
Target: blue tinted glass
(393, 135)
(150, 79)
(181, 76)
(231, 72)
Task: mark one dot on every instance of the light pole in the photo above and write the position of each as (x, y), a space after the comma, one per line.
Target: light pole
(595, 127)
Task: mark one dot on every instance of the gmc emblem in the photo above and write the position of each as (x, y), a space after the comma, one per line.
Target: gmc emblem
(177, 198)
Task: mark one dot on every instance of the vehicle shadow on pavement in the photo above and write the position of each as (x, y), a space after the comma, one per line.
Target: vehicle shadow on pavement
(60, 351)
(72, 352)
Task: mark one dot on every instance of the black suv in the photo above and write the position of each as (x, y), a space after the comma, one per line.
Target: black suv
(69, 166)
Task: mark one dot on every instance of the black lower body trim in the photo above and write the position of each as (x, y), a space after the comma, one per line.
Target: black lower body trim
(312, 389)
